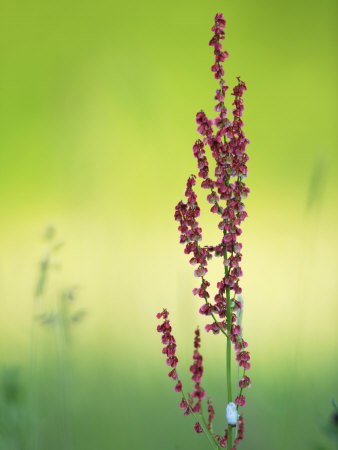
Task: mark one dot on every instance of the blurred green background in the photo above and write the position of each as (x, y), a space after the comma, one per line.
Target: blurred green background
(97, 113)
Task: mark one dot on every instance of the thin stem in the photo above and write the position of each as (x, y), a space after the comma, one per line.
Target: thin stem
(219, 325)
(229, 320)
(205, 428)
(241, 389)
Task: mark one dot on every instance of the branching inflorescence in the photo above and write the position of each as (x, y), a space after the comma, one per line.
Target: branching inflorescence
(227, 191)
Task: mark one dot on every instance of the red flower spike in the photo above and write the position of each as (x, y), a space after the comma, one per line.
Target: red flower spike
(211, 413)
(169, 341)
(197, 371)
(240, 430)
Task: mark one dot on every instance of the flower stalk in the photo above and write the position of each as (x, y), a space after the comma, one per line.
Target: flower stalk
(227, 192)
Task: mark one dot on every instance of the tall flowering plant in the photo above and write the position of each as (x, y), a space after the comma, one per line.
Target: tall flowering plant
(226, 194)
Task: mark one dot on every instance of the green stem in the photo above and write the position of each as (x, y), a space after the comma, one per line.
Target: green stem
(229, 320)
(229, 442)
(205, 428)
(221, 329)
(229, 316)
(228, 334)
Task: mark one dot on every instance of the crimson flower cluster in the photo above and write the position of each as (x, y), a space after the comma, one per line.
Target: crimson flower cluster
(224, 139)
(197, 371)
(169, 349)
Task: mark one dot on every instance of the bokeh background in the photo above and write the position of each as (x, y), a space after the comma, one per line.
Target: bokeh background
(97, 113)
